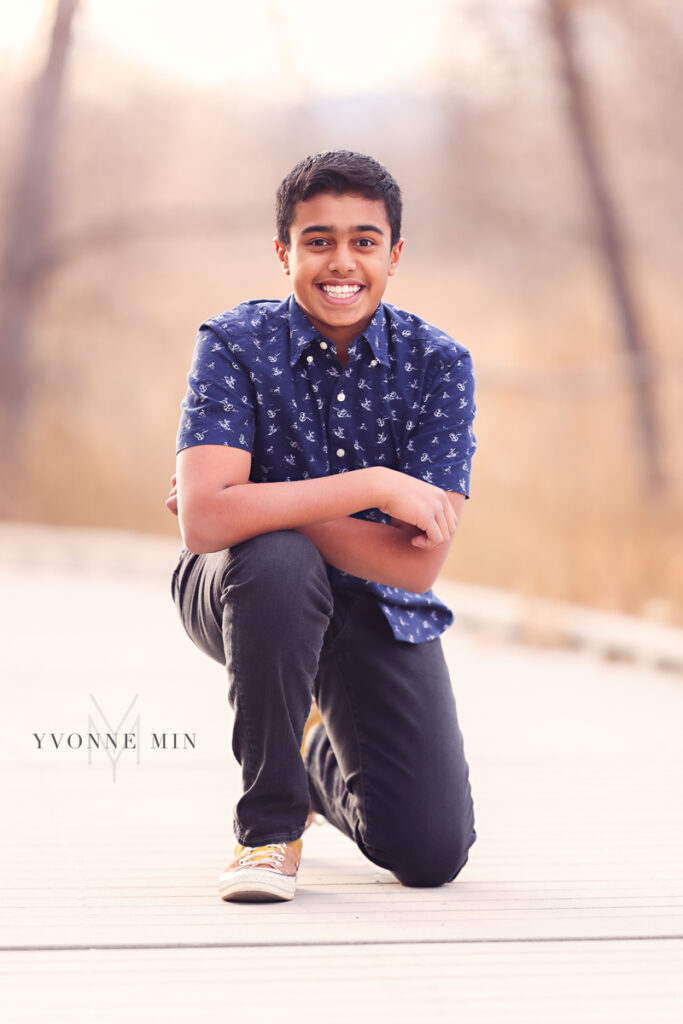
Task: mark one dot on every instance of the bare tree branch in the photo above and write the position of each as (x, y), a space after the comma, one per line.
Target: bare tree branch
(27, 227)
(132, 226)
(610, 239)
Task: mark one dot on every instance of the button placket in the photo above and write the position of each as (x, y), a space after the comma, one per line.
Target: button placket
(339, 396)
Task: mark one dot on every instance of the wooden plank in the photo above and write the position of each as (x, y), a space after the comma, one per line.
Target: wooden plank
(631, 981)
(571, 906)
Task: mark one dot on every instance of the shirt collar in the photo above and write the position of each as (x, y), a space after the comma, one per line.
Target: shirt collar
(302, 333)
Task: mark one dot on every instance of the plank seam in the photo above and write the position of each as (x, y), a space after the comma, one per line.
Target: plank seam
(351, 942)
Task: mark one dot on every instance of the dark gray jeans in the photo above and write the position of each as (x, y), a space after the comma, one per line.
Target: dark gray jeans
(388, 769)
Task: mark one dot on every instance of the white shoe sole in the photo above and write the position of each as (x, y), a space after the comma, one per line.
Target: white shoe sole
(256, 885)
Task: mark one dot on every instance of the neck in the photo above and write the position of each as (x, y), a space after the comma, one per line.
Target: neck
(342, 350)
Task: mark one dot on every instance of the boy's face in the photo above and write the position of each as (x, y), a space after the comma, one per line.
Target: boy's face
(339, 259)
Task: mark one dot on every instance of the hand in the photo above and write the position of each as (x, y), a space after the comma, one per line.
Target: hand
(422, 506)
(172, 500)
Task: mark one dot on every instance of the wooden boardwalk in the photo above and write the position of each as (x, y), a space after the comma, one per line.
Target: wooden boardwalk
(570, 909)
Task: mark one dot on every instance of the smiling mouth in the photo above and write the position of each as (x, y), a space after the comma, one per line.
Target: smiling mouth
(340, 291)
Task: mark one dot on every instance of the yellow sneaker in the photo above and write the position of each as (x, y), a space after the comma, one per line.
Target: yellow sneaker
(261, 874)
(312, 722)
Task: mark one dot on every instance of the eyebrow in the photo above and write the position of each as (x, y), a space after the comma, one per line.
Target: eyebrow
(315, 229)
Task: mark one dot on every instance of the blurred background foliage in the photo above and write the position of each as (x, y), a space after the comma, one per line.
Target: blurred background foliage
(539, 147)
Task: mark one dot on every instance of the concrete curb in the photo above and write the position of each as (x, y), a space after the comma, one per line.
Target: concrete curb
(540, 622)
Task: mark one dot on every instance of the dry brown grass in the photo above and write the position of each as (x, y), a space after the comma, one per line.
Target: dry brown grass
(559, 504)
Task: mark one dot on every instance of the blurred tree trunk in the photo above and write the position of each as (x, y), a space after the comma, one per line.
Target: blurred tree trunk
(27, 226)
(611, 241)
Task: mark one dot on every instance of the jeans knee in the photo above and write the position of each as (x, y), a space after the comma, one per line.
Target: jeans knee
(433, 869)
(282, 566)
(428, 857)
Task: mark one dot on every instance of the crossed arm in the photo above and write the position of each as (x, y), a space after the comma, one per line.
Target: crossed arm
(219, 507)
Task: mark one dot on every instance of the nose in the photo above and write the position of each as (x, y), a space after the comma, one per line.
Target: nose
(342, 259)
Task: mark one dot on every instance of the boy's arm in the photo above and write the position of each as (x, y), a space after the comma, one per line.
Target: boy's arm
(382, 553)
(218, 507)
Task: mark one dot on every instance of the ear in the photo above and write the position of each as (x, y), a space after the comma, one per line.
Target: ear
(395, 255)
(282, 254)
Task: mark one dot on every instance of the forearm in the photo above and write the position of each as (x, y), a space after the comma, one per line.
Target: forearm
(219, 507)
(377, 552)
(241, 511)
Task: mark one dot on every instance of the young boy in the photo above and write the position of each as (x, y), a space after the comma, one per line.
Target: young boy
(323, 462)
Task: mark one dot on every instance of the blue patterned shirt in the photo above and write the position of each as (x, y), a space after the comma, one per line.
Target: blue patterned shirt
(264, 380)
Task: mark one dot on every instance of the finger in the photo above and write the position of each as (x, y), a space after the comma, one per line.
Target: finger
(451, 518)
(444, 525)
(434, 531)
(445, 514)
(422, 541)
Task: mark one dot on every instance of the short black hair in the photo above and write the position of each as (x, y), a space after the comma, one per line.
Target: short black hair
(344, 173)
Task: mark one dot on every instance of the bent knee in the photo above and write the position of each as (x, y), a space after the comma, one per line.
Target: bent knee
(276, 564)
(431, 868)
(424, 860)
(281, 554)
(431, 872)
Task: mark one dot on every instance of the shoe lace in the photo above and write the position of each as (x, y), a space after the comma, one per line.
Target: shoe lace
(269, 856)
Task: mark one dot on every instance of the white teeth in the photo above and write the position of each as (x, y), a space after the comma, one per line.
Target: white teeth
(340, 291)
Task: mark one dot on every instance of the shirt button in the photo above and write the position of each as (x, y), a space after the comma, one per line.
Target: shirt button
(340, 452)
(341, 396)
(373, 362)
(323, 344)
(309, 359)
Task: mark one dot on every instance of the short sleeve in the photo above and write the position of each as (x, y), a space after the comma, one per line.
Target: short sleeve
(218, 407)
(442, 444)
